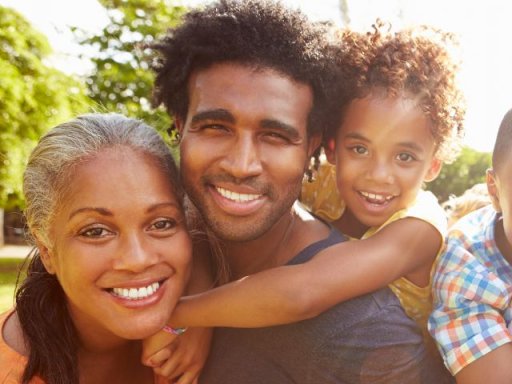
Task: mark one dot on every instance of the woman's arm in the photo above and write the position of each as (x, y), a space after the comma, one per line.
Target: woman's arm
(293, 293)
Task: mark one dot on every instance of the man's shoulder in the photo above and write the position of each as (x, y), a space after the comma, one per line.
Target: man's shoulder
(336, 346)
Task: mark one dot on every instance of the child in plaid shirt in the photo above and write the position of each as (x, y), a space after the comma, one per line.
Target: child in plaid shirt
(472, 285)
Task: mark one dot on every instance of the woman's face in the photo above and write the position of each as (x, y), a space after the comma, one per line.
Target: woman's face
(119, 246)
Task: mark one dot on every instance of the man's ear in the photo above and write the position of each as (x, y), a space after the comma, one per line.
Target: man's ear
(435, 168)
(314, 142)
(46, 257)
(179, 123)
(492, 188)
(330, 151)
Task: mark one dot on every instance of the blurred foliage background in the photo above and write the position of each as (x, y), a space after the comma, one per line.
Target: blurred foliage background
(34, 96)
(121, 80)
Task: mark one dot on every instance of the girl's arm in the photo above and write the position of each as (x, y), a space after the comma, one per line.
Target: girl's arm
(184, 356)
(292, 293)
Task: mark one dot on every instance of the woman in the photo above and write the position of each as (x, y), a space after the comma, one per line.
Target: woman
(104, 208)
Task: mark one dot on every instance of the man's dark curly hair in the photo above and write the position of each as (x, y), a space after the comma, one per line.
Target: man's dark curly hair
(260, 34)
(415, 63)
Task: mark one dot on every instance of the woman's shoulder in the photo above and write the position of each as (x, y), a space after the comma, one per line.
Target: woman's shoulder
(12, 362)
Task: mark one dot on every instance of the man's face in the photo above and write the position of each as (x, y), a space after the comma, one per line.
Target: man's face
(244, 147)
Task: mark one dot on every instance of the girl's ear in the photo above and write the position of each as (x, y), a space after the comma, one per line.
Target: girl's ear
(435, 168)
(330, 151)
(46, 256)
(493, 189)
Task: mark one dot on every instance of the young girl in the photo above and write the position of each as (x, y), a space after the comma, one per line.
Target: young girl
(401, 118)
(113, 255)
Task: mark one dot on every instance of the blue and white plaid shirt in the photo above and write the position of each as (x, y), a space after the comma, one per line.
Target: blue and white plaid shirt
(472, 291)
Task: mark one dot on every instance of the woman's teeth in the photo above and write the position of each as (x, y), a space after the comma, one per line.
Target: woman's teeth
(136, 293)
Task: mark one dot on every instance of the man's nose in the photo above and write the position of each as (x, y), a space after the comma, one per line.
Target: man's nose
(244, 158)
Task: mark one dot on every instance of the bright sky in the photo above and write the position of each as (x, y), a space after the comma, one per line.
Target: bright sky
(483, 29)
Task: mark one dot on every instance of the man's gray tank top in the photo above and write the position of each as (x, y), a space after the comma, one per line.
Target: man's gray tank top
(368, 339)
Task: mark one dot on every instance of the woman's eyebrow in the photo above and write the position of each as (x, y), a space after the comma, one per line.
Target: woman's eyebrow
(101, 211)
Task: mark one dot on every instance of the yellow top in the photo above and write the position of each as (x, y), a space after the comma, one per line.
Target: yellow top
(322, 198)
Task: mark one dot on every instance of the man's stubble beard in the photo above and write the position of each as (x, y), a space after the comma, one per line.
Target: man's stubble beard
(239, 230)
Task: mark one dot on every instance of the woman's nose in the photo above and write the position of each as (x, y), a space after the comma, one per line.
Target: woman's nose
(135, 254)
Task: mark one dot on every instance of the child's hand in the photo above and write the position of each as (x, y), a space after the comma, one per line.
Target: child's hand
(179, 358)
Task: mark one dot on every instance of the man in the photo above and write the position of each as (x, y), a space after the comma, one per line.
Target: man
(246, 83)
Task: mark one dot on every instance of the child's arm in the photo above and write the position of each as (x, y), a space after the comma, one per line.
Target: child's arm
(178, 358)
(291, 293)
(495, 367)
(183, 356)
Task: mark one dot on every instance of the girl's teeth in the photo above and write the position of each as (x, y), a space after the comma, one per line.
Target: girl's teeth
(376, 198)
(136, 293)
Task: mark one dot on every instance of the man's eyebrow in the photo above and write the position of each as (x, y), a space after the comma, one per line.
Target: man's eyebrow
(101, 211)
(290, 130)
(213, 114)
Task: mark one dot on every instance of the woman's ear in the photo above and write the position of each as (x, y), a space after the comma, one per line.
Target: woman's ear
(493, 189)
(46, 256)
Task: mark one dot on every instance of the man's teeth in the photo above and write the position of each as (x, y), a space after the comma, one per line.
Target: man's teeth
(238, 197)
(376, 197)
(136, 293)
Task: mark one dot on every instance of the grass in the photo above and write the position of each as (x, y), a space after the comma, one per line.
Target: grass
(8, 273)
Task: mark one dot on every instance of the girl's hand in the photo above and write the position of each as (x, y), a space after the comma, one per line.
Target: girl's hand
(178, 358)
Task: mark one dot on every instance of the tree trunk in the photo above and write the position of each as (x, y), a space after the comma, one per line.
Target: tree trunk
(345, 18)
(2, 240)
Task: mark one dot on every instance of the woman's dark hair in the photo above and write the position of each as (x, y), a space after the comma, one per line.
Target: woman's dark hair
(41, 303)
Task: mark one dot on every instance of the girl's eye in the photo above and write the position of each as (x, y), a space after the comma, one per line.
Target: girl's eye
(359, 149)
(406, 157)
(95, 232)
(164, 224)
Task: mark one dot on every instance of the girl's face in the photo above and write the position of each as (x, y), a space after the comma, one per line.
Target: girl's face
(119, 247)
(384, 151)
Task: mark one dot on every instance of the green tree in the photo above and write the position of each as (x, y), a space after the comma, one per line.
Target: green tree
(122, 80)
(33, 97)
(468, 170)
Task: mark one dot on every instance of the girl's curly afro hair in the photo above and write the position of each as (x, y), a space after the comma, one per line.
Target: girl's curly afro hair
(415, 63)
